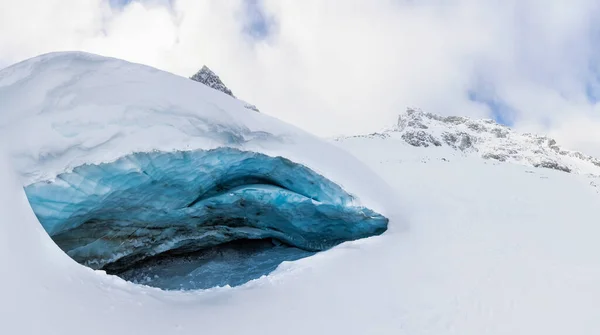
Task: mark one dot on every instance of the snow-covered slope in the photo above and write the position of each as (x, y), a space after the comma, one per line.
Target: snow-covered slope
(487, 139)
(488, 249)
(474, 246)
(207, 77)
(62, 110)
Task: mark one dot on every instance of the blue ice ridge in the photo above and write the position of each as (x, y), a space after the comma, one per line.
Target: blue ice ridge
(197, 219)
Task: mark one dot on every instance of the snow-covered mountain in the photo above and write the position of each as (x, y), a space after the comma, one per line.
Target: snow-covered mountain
(486, 139)
(207, 77)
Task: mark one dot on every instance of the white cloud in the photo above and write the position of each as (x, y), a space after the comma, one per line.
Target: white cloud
(347, 66)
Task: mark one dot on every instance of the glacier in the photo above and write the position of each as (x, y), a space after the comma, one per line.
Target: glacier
(192, 207)
(473, 246)
(164, 182)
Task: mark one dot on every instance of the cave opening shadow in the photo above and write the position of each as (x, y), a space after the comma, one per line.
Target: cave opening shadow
(233, 264)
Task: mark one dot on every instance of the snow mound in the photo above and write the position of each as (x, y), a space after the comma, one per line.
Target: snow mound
(486, 139)
(123, 163)
(63, 110)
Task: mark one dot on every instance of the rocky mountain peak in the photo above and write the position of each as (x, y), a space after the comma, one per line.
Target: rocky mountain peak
(207, 77)
(487, 139)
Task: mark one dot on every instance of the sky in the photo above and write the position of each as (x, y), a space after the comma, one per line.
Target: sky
(338, 67)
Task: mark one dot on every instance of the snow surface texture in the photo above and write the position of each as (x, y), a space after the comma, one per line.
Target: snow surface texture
(207, 77)
(63, 110)
(487, 139)
(489, 248)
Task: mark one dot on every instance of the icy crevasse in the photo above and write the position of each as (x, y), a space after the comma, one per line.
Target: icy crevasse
(160, 213)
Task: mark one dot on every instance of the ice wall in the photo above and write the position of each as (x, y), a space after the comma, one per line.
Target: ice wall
(136, 212)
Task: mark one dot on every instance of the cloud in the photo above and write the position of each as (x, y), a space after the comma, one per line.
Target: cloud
(333, 66)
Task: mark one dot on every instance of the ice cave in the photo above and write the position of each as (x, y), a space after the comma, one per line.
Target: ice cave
(197, 219)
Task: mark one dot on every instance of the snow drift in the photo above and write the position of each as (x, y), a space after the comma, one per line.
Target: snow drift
(131, 169)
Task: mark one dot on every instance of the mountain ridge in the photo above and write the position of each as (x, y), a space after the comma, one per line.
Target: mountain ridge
(487, 139)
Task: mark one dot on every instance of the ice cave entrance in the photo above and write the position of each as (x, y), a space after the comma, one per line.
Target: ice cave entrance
(197, 219)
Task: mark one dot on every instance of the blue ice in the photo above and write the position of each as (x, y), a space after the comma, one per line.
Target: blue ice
(197, 219)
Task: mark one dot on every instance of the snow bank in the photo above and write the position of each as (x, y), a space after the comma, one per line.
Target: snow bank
(491, 249)
(63, 110)
(124, 163)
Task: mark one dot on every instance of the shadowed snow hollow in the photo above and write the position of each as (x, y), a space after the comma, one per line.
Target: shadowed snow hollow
(165, 182)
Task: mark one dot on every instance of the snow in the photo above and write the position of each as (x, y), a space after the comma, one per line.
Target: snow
(70, 109)
(491, 248)
(474, 246)
(120, 205)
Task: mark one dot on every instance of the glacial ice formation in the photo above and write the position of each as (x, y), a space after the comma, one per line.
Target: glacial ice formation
(165, 182)
(197, 219)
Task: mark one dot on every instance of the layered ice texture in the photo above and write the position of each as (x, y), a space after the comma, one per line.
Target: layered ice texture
(165, 182)
(197, 219)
